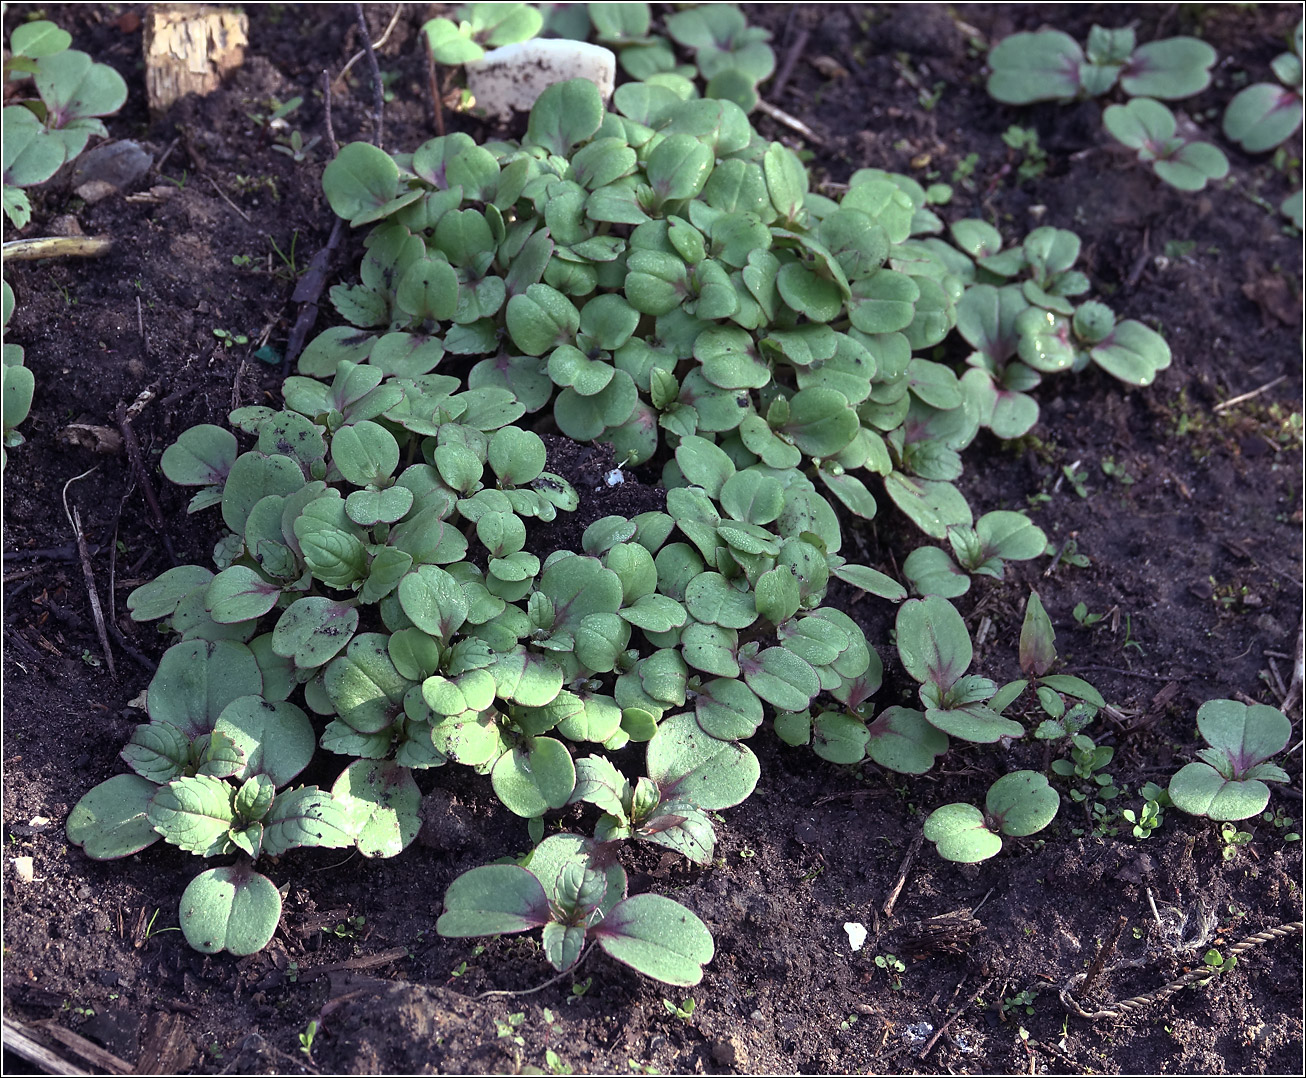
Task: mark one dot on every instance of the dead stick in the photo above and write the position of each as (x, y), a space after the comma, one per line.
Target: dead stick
(88, 574)
(957, 1014)
(326, 99)
(143, 478)
(787, 68)
(433, 88)
(378, 90)
(308, 291)
(26, 1047)
(896, 889)
(780, 116)
(1102, 954)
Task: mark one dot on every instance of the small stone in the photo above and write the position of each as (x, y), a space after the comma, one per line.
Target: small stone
(94, 191)
(513, 77)
(118, 164)
(730, 1053)
(66, 225)
(24, 869)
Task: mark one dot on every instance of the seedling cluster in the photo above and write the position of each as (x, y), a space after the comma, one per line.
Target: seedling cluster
(41, 134)
(660, 278)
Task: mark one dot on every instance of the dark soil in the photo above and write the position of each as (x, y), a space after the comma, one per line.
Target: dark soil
(1196, 561)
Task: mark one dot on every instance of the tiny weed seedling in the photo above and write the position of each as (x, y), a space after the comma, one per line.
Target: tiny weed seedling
(1086, 619)
(229, 339)
(1213, 959)
(306, 1039)
(684, 1010)
(507, 1028)
(894, 967)
(1231, 838)
(1020, 1001)
(1033, 158)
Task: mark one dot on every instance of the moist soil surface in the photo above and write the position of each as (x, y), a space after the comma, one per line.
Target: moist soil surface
(1179, 520)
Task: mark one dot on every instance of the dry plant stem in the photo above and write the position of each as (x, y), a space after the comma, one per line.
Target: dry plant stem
(56, 247)
(1293, 696)
(88, 574)
(956, 1014)
(787, 68)
(326, 103)
(379, 42)
(18, 1041)
(433, 88)
(1248, 396)
(223, 195)
(896, 889)
(378, 91)
(539, 987)
(780, 116)
(307, 292)
(142, 477)
(1107, 947)
(104, 1061)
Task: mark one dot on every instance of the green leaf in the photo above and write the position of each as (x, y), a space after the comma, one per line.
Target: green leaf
(728, 709)
(195, 814)
(276, 740)
(1245, 735)
(1038, 649)
(901, 740)
(40, 38)
(1172, 68)
(240, 594)
(678, 167)
(932, 572)
(1200, 790)
(657, 937)
(780, 678)
(1133, 353)
(821, 421)
(534, 777)
(933, 506)
(564, 115)
(839, 737)
(232, 909)
(526, 678)
(434, 601)
(448, 44)
(1043, 66)
(1021, 803)
(1259, 117)
(973, 722)
(933, 642)
(202, 456)
(111, 820)
(713, 600)
(313, 630)
(959, 834)
(197, 679)
(303, 817)
(704, 464)
(492, 900)
(689, 763)
(359, 182)
(383, 805)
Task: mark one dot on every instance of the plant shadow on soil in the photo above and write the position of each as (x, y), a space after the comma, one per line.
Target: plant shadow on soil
(1199, 559)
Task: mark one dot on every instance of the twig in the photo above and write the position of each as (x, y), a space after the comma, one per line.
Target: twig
(1248, 396)
(75, 519)
(223, 195)
(1298, 672)
(896, 889)
(787, 67)
(976, 908)
(539, 987)
(143, 478)
(379, 42)
(378, 91)
(308, 291)
(1107, 947)
(56, 247)
(326, 100)
(98, 1057)
(780, 116)
(956, 1014)
(26, 1047)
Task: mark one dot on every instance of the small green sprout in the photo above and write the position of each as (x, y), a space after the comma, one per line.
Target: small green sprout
(229, 339)
(894, 967)
(307, 1037)
(1216, 961)
(684, 1010)
(1021, 1000)
(1086, 619)
(1227, 781)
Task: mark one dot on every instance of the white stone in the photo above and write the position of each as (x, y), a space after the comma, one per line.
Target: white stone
(856, 934)
(511, 78)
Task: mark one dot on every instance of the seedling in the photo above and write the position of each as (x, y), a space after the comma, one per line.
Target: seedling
(1086, 619)
(507, 1029)
(229, 339)
(1227, 781)
(1216, 961)
(894, 967)
(1034, 159)
(1146, 820)
(1231, 838)
(307, 1037)
(1021, 1000)
(1018, 804)
(684, 1010)
(1265, 115)
(570, 892)
(1150, 128)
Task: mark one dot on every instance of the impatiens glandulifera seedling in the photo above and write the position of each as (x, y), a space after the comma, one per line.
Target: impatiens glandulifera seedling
(572, 889)
(479, 26)
(42, 133)
(1227, 781)
(1019, 804)
(659, 278)
(996, 538)
(19, 383)
(1264, 115)
(1150, 128)
(1050, 66)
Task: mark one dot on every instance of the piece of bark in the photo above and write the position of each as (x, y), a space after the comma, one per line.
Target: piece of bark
(189, 49)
